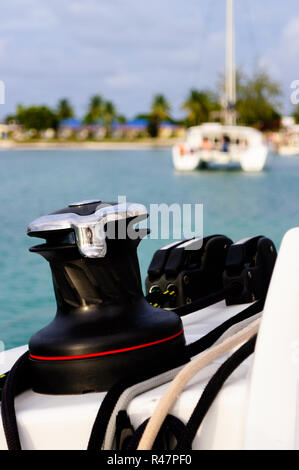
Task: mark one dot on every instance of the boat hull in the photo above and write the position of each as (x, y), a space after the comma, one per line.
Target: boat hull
(249, 160)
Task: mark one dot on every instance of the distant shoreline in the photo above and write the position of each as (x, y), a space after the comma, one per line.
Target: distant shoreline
(89, 145)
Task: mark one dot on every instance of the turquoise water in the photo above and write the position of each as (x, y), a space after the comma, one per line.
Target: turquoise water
(34, 183)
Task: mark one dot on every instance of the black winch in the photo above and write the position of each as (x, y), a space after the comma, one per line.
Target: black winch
(188, 270)
(191, 271)
(104, 328)
(249, 266)
(106, 336)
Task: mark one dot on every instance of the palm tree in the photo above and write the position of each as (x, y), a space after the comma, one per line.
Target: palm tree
(109, 115)
(199, 105)
(64, 109)
(95, 110)
(160, 108)
(159, 112)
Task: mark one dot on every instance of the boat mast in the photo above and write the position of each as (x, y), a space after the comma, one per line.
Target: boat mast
(230, 79)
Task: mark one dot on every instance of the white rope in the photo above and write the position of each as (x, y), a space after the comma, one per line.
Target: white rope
(129, 394)
(185, 375)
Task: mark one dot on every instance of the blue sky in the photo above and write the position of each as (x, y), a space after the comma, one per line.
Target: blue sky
(128, 50)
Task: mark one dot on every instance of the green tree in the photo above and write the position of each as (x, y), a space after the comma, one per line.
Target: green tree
(296, 114)
(10, 119)
(95, 110)
(64, 109)
(199, 106)
(36, 117)
(160, 109)
(258, 100)
(109, 115)
(121, 119)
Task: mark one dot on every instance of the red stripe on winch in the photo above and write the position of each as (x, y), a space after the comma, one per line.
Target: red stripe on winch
(105, 353)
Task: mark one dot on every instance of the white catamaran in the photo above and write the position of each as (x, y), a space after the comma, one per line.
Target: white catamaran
(214, 143)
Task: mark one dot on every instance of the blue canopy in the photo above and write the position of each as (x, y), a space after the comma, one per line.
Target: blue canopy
(71, 122)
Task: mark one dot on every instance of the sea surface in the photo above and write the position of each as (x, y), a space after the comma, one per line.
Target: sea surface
(36, 182)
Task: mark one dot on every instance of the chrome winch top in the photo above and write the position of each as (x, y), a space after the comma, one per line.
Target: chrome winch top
(89, 229)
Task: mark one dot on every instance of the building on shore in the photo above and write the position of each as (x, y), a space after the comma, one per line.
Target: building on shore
(133, 129)
(68, 127)
(3, 131)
